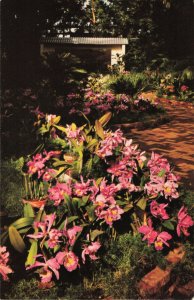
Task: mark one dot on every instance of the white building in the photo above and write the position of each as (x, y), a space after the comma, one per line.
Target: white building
(92, 50)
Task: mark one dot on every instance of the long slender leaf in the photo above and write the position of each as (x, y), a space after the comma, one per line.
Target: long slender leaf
(16, 239)
(95, 233)
(105, 119)
(28, 211)
(99, 129)
(32, 253)
(22, 222)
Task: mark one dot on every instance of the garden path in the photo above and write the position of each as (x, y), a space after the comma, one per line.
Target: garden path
(174, 140)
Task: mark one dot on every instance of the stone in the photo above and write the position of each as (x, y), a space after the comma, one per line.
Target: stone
(176, 255)
(186, 290)
(154, 281)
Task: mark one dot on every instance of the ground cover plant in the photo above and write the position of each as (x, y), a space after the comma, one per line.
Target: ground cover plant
(126, 104)
(176, 85)
(86, 187)
(71, 98)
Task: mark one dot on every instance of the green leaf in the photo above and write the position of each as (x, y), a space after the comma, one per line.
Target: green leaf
(4, 237)
(161, 173)
(120, 202)
(28, 211)
(16, 239)
(56, 248)
(127, 207)
(105, 119)
(38, 149)
(95, 233)
(60, 163)
(39, 215)
(71, 219)
(92, 144)
(23, 222)
(99, 129)
(88, 165)
(80, 162)
(61, 128)
(98, 181)
(74, 203)
(142, 203)
(42, 130)
(32, 253)
(168, 224)
(91, 212)
(83, 201)
(57, 119)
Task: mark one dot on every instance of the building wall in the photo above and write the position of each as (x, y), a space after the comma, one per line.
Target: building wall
(93, 57)
(116, 52)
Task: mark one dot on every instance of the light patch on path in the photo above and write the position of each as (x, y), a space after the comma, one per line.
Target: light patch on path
(174, 140)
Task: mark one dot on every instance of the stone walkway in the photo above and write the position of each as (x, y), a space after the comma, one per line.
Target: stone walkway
(174, 140)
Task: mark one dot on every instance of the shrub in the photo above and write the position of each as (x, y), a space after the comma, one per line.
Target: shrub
(12, 188)
(129, 83)
(84, 186)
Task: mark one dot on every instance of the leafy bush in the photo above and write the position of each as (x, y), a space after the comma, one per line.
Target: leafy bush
(84, 186)
(92, 102)
(129, 83)
(12, 188)
(174, 85)
(63, 71)
(124, 262)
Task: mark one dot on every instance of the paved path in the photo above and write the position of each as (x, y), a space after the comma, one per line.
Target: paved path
(174, 140)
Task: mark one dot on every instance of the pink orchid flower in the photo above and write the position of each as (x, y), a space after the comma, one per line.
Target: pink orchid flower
(130, 150)
(184, 88)
(184, 222)
(74, 133)
(50, 119)
(162, 239)
(108, 191)
(4, 268)
(112, 214)
(68, 259)
(53, 238)
(58, 192)
(149, 233)
(91, 251)
(50, 154)
(158, 210)
(111, 141)
(157, 163)
(36, 164)
(81, 189)
(47, 267)
(170, 189)
(117, 169)
(71, 233)
(52, 235)
(49, 174)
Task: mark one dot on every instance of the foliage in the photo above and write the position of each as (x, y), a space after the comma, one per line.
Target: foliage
(85, 185)
(63, 71)
(122, 106)
(123, 264)
(59, 74)
(12, 188)
(129, 83)
(16, 114)
(174, 85)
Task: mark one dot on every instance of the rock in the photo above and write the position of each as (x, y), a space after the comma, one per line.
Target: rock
(176, 255)
(187, 289)
(152, 283)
